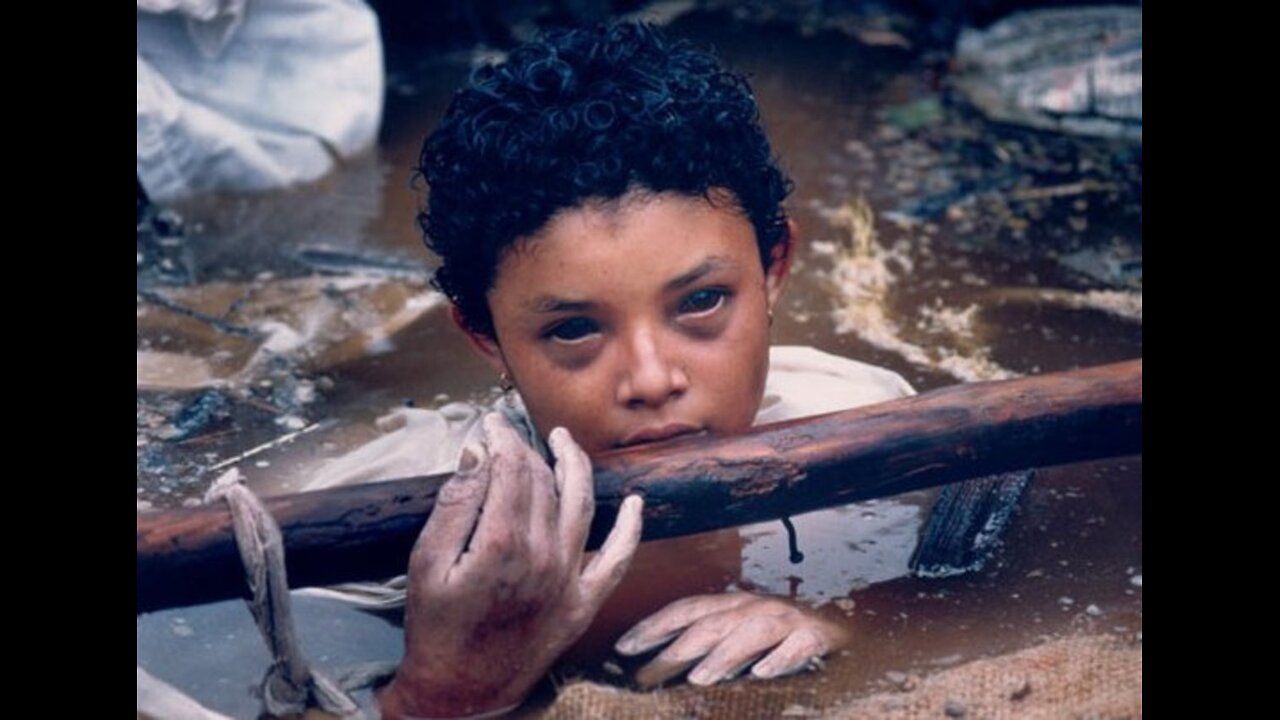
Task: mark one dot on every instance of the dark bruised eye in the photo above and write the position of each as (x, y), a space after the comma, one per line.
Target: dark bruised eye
(702, 301)
(572, 330)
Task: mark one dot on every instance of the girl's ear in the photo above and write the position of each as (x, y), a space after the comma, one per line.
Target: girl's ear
(486, 346)
(775, 276)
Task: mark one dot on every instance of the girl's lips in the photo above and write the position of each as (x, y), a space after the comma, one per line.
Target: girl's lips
(655, 433)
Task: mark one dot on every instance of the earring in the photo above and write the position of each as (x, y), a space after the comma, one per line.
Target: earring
(770, 317)
(504, 382)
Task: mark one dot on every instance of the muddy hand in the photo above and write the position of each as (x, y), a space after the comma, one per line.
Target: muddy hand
(496, 585)
(727, 633)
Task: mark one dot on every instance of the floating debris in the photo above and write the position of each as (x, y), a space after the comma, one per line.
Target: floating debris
(1087, 185)
(1115, 267)
(313, 322)
(862, 277)
(1076, 69)
(333, 261)
(291, 422)
(175, 371)
(915, 115)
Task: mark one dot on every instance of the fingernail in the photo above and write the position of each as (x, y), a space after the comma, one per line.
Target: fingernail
(763, 671)
(626, 645)
(702, 676)
(556, 436)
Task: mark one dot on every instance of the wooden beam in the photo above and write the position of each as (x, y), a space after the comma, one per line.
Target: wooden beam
(691, 485)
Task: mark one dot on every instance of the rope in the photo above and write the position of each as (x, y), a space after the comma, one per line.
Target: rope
(290, 685)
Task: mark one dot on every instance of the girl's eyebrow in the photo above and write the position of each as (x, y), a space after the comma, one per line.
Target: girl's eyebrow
(546, 304)
(553, 304)
(710, 265)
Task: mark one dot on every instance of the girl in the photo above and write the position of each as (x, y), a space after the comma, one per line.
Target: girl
(609, 220)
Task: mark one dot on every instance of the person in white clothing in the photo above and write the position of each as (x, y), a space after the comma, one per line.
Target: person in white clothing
(608, 217)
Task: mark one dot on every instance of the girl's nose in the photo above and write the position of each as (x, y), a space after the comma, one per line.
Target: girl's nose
(652, 376)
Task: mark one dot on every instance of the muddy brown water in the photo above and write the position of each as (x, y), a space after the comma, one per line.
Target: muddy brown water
(1072, 559)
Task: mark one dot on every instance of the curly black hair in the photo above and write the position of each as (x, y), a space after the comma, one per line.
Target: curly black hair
(584, 115)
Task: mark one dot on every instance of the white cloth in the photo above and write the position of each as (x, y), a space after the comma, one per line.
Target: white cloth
(239, 95)
(804, 381)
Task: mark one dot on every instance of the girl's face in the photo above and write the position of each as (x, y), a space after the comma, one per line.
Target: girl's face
(637, 320)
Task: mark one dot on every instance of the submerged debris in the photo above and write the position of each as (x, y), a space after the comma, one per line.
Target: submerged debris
(967, 523)
(205, 411)
(200, 378)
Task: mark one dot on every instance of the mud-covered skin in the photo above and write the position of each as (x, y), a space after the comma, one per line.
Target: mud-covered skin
(496, 585)
(723, 634)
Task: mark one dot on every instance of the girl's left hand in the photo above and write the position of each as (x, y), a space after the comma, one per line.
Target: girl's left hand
(497, 584)
(728, 632)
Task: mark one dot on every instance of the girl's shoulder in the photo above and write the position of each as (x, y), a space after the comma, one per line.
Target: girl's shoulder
(805, 381)
(420, 441)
